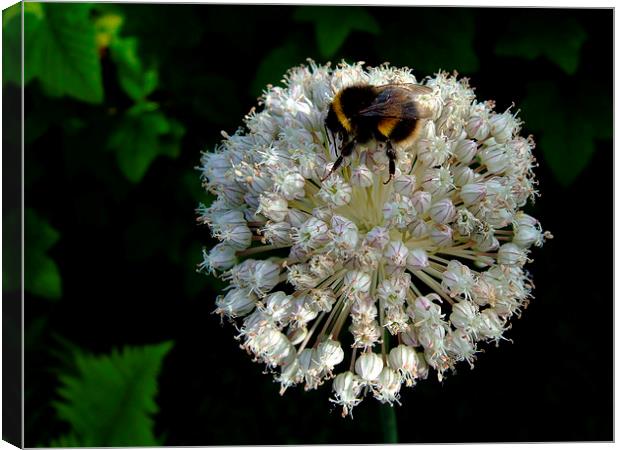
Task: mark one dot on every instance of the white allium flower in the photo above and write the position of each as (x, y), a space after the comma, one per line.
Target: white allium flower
(419, 270)
(388, 386)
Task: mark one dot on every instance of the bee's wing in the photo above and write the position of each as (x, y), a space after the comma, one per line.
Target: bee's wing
(415, 89)
(396, 101)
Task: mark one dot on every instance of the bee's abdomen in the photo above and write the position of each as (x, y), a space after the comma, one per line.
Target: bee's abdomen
(398, 130)
(387, 126)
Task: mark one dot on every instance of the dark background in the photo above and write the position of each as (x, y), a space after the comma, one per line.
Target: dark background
(120, 270)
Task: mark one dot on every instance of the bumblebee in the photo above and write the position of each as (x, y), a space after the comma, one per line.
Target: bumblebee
(389, 113)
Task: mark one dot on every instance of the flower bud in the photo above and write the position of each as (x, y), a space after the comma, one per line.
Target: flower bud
(236, 303)
(377, 238)
(502, 126)
(526, 235)
(292, 186)
(296, 217)
(273, 206)
(322, 213)
(495, 158)
(463, 175)
(417, 259)
(361, 176)
(392, 292)
(272, 346)
(489, 324)
(460, 346)
(424, 308)
(301, 312)
(465, 151)
(308, 361)
(458, 279)
(297, 254)
(335, 191)
(278, 233)
(463, 314)
(473, 193)
(421, 201)
(389, 385)
(290, 374)
(477, 128)
(409, 338)
(237, 236)
(330, 353)
(357, 281)
(297, 335)
(419, 229)
(404, 184)
(441, 235)
(396, 253)
(368, 366)
(485, 242)
(422, 366)
(443, 211)
(231, 217)
(221, 257)
(402, 358)
(312, 234)
(363, 309)
(265, 277)
(511, 254)
(344, 235)
(278, 305)
(346, 386)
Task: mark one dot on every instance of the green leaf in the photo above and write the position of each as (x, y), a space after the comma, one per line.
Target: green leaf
(426, 46)
(135, 80)
(275, 64)
(62, 52)
(333, 25)
(142, 135)
(533, 35)
(41, 274)
(110, 400)
(12, 37)
(565, 135)
(11, 44)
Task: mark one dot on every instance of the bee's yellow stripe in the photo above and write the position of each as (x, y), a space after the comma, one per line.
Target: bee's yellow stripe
(344, 121)
(386, 126)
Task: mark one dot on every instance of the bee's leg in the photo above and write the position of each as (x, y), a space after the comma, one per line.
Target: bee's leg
(346, 151)
(391, 154)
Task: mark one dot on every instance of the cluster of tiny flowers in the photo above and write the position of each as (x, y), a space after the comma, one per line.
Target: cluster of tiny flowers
(368, 284)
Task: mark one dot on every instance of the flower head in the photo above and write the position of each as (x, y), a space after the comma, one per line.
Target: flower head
(419, 271)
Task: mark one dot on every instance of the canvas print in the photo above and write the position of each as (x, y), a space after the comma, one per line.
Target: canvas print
(306, 224)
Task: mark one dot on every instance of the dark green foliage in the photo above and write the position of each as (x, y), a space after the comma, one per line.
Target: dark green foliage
(418, 39)
(143, 134)
(567, 126)
(110, 400)
(62, 51)
(532, 35)
(275, 64)
(137, 82)
(333, 25)
(41, 276)
(11, 32)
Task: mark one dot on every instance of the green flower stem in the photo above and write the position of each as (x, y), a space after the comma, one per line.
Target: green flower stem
(388, 424)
